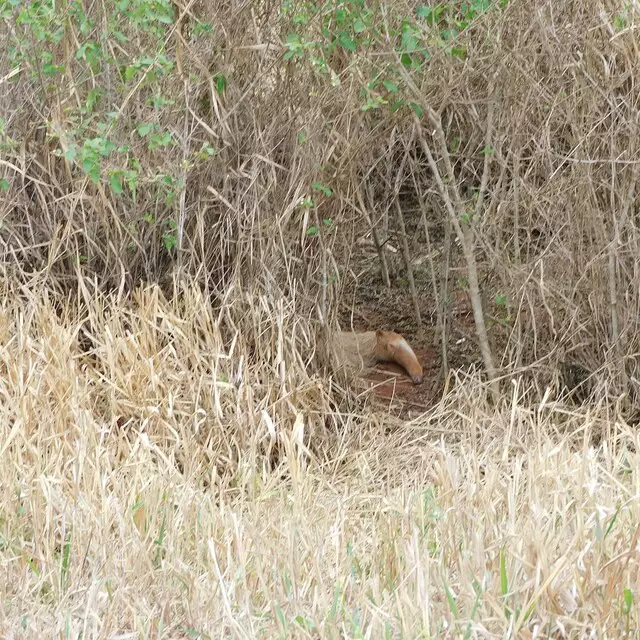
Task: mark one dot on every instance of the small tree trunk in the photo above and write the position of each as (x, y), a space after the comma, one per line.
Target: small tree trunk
(468, 248)
(384, 269)
(457, 213)
(444, 297)
(407, 262)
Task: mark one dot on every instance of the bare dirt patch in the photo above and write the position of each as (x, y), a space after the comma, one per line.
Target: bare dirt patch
(375, 306)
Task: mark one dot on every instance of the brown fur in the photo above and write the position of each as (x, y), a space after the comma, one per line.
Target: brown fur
(363, 350)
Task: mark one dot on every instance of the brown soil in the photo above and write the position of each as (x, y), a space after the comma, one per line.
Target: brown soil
(374, 306)
(394, 389)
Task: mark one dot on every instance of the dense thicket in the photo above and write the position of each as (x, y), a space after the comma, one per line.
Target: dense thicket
(251, 144)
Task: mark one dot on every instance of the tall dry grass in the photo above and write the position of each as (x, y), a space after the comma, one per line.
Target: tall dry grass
(176, 458)
(162, 486)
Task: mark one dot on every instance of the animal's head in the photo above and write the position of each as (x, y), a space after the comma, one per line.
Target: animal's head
(392, 346)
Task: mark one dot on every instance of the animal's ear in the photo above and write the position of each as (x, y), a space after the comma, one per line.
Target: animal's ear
(384, 345)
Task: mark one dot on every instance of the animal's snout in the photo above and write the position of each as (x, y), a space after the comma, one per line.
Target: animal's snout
(417, 379)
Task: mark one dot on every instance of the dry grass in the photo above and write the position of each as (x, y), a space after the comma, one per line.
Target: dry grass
(139, 497)
(175, 458)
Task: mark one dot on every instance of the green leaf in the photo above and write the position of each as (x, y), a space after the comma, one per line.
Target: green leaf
(318, 186)
(611, 523)
(221, 82)
(391, 87)
(4, 184)
(120, 37)
(417, 109)
(504, 584)
(409, 41)
(304, 623)
(91, 167)
(169, 240)
(164, 18)
(312, 231)
(129, 72)
(66, 554)
(281, 617)
(347, 42)
(359, 26)
(145, 129)
(202, 28)
(373, 102)
(406, 60)
(207, 150)
(459, 52)
(504, 581)
(115, 181)
(453, 607)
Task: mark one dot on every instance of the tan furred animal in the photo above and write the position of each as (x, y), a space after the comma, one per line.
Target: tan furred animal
(364, 350)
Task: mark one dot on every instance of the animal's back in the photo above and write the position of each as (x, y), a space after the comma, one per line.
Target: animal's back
(359, 351)
(356, 350)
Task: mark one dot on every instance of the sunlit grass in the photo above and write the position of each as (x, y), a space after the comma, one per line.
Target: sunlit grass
(142, 497)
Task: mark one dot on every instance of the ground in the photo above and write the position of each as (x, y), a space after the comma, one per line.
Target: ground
(374, 306)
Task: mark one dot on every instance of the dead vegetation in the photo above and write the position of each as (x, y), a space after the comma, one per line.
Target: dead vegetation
(165, 485)
(192, 195)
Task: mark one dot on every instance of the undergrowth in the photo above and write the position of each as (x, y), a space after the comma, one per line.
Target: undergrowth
(167, 484)
(193, 194)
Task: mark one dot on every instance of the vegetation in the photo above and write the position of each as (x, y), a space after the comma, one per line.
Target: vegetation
(188, 196)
